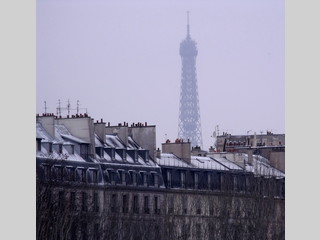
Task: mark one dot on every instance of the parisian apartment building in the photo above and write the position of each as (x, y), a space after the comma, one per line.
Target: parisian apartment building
(96, 181)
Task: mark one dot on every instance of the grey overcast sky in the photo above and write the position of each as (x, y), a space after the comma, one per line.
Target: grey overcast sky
(121, 60)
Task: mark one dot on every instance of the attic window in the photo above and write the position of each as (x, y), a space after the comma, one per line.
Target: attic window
(60, 148)
(39, 145)
(50, 147)
(72, 149)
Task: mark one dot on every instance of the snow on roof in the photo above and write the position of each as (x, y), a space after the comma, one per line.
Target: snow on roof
(132, 144)
(227, 163)
(261, 167)
(169, 159)
(41, 133)
(207, 163)
(73, 138)
(97, 141)
(114, 141)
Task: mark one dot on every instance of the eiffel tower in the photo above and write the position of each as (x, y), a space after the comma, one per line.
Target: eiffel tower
(189, 111)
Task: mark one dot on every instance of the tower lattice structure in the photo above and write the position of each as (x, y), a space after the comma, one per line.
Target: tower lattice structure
(189, 110)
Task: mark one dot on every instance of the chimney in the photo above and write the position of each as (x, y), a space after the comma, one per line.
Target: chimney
(158, 153)
(179, 148)
(47, 121)
(250, 156)
(254, 140)
(100, 130)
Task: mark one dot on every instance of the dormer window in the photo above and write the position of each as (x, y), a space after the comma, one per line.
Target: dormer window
(50, 148)
(60, 148)
(39, 145)
(72, 149)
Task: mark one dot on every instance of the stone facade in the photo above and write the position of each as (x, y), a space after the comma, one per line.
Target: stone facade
(121, 192)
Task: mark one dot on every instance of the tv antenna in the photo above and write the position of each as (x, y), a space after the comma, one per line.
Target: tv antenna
(45, 107)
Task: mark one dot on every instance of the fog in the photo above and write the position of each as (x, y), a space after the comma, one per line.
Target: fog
(121, 60)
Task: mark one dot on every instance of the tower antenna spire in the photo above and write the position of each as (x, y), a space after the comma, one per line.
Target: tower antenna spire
(45, 107)
(188, 27)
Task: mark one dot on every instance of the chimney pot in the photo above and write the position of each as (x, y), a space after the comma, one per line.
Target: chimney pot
(108, 124)
(101, 120)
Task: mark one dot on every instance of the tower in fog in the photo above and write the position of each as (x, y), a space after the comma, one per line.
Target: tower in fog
(189, 111)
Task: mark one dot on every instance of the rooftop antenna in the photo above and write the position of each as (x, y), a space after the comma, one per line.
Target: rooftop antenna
(188, 28)
(59, 108)
(77, 106)
(45, 107)
(68, 106)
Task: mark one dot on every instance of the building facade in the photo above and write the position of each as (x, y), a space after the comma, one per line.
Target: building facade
(97, 181)
(269, 145)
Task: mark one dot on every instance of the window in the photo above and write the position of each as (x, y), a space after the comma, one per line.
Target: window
(156, 180)
(183, 179)
(209, 180)
(170, 205)
(73, 231)
(211, 208)
(125, 203)
(70, 173)
(133, 176)
(135, 204)
(84, 201)
(100, 152)
(84, 231)
(123, 177)
(73, 201)
(156, 205)
(95, 202)
(216, 180)
(196, 180)
(60, 148)
(82, 175)
(198, 206)
(72, 149)
(169, 179)
(58, 173)
(39, 145)
(113, 203)
(113, 178)
(47, 172)
(152, 179)
(61, 199)
(84, 150)
(50, 147)
(144, 178)
(198, 231)
(96, 232)
(184, 205)
(146, 205)
(235, 183)
(94, 176)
